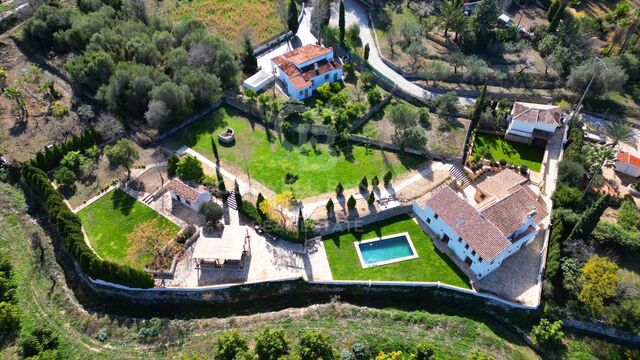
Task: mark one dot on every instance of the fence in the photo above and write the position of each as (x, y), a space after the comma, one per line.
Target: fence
(424, 153)
(370, 113)
(343, 226)
(193, 118)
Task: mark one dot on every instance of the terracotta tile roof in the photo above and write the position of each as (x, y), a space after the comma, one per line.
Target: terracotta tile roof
(509, 214)
(483, 236)
(536, 113)
(501, 184)
(185, 191)
(301, 78)
(625, 157)
(306, 53)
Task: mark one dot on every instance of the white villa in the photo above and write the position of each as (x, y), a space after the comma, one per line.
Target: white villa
(302, 70)
(530, 122)
(189, 196)
(482, 236)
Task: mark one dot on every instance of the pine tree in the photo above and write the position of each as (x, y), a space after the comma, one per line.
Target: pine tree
(341, 21)
(292, 22)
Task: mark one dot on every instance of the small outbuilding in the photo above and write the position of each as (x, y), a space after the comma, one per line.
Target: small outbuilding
(627, 164)
(191, 196)
(533, 123)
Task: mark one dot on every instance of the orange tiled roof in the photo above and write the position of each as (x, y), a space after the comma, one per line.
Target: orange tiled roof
(509, 214)
(625, 157)
(301, 78)
(536, 113)
(306, 53)
(482, 235)
(185, 191)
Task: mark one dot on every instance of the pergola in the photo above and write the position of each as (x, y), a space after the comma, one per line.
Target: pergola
(229, 249)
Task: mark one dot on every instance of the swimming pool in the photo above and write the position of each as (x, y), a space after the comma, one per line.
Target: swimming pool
(385, 250)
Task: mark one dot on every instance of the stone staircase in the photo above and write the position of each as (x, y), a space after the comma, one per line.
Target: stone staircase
(460, 176)
(231, 200)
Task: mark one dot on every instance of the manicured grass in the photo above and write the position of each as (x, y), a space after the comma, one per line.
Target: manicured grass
(229, 18)
(513, 152)
(109, 220)
(268, 162)
(431, 265)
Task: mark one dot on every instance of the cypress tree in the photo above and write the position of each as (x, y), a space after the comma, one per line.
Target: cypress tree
(553, 8)
(364, 184)
(387, 178)
(375, 182)
(258, 202)
(366, 51)
(553, 25)
(329, 206)
(351, 203)
(249, 62)
(339, 190)
(236, 193)
(475, 117)
(301, 232)
(371, 199)
(341, 21)
(589, 219)
(292, 21)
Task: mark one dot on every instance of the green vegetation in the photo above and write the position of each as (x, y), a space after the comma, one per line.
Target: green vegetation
(514, 153)
(430, 266)
(111, 218)
(83, 334)
(318, 169)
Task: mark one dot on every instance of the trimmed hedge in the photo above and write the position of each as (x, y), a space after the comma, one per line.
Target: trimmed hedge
(69, 227)
(51, 157)
(273, 227)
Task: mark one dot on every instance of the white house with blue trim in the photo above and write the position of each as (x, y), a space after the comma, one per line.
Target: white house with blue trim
(302, 70)
(483, 237)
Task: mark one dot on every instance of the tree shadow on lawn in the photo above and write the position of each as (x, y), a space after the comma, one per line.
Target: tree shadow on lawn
(210, 124)
(122, 201)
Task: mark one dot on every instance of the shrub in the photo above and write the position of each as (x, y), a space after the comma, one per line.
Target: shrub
(351, 203)
(524, 169)
(172, 164)
(229, 345)
(387, 178)
(374, 97)
(65, 178)
(189, 168)
(371, 199)
(271, 344)
(324, 92)
(364, 184)
(566, 197)
(212, 211)
(547, 333)
(9, 320)
(93, 152)
(570, 172)
(628, 215)
(598, 282)
(314, 345)
(610, 233)
(503, 162)
(36, 341)
(425, 351)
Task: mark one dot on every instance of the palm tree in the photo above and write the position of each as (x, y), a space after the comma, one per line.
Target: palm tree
(620, 132)
(450, 10)
(596, 157)
(13, 93)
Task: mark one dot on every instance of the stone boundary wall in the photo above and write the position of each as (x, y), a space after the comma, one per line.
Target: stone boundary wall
(370, 113)
(424, 153)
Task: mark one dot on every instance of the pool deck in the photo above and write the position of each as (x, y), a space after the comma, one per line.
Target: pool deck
(365, 265)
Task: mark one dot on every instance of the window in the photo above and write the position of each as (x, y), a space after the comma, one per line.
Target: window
(459, 239)
(301, 92)
(435, 216)
(326, 76)
(466, 246)
(480, 259)
(473, 253)
(428, 221)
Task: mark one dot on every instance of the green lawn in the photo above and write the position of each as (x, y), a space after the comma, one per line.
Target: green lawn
(431, 265)
(109, 220)
(513, 152)
(268, 162)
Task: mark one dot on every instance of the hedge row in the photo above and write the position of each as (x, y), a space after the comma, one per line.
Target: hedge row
(273, 227)
(69, 227)
(51, 156)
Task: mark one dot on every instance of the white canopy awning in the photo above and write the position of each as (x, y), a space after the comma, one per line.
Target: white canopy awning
(228, 247)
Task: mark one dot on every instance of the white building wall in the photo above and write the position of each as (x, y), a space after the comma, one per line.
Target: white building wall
(481, 269)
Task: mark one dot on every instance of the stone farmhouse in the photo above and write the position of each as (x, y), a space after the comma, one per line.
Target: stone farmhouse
(302, 70)
(482, 235)
(189, 196)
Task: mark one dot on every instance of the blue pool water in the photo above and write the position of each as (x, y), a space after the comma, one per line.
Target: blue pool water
(386, 249)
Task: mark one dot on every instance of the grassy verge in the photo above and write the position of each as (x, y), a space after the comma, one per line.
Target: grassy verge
(513, 152)
(430, 266)
(52, 305)
(268, 162)
(110, 219)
